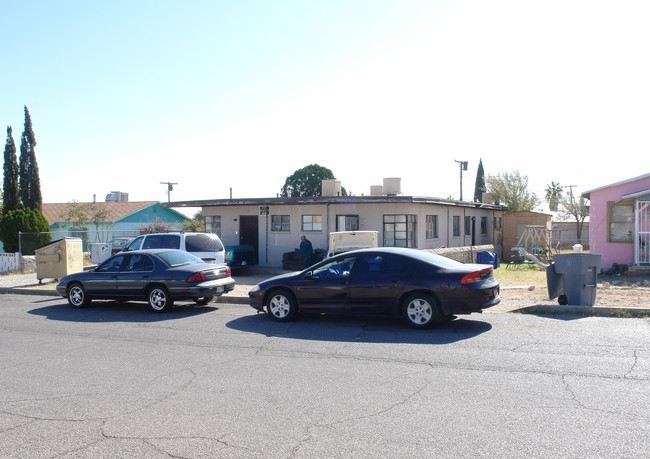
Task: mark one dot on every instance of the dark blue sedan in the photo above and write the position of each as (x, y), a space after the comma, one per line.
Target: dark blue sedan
(159, 277)
(421, 287)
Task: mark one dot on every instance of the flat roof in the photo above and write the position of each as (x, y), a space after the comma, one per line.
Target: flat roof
(311, 200)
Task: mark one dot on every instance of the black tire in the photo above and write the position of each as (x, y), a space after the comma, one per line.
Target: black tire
(203, 300)
(281, 306)
(421, 310)
(77, 297)
(159, 299)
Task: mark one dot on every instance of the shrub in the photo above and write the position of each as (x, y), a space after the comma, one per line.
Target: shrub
(24, 221)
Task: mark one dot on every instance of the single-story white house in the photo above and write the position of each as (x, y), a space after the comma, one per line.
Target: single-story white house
(273, 226)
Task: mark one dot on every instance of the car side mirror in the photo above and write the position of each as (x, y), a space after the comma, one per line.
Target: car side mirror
(309, 275)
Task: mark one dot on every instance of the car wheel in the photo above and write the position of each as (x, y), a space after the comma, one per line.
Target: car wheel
(203, 300)
(159, 299)
(77, 296)
(421, 310)
(281, 306)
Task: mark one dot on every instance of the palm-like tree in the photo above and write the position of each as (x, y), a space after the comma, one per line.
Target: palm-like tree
(553, 195)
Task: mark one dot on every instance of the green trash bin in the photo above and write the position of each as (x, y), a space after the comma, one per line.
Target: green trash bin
(572, 278)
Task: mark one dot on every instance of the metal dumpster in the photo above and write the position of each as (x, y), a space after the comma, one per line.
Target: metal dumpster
(59, 258)
(572, 278)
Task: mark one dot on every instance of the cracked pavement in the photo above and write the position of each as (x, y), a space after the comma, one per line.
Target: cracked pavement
(115, 380)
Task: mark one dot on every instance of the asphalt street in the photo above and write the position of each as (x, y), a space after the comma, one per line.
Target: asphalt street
(116, 380)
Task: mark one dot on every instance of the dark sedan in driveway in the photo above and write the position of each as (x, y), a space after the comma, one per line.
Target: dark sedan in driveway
(159, 277)
(421, 287)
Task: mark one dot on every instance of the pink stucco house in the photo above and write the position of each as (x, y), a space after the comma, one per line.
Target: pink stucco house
(619, 222)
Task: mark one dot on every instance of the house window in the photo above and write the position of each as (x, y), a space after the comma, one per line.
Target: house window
(279, 223)
(432, 227)
(399, 231)
(456, 224)
(620, 218)
(347, 223)
(213, 224)
(312, 223)
(484, 225)
(468, 226)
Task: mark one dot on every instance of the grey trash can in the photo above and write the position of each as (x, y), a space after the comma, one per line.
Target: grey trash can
(574, 276)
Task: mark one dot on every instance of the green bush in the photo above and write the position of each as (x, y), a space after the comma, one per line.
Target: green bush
(24, 221)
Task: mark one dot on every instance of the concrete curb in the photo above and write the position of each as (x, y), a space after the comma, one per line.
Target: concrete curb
(552, 310)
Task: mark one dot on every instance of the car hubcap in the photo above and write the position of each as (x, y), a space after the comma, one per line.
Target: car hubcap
(157, 299)
(419, 312)
(279, 306)
(76, 296)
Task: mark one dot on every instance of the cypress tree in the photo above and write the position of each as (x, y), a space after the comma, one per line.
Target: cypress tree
(29, 184)
(479, 187)
(11, 199)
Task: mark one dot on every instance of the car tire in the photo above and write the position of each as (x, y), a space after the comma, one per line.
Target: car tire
(281, 306)
(159, 299)
(203, 300)
(421, 310)
(77, 297)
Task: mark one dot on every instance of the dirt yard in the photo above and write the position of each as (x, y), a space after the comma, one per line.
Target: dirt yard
(627, 295)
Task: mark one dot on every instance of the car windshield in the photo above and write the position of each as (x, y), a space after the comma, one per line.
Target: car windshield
(179, 258)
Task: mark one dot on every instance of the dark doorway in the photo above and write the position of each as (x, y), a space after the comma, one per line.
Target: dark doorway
(249, 233)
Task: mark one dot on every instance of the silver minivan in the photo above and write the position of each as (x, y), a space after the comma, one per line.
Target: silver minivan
(206, 246)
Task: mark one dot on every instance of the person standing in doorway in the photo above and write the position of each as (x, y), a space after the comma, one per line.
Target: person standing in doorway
(306, 250)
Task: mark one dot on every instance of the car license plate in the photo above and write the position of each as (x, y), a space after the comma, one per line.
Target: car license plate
(220, 289)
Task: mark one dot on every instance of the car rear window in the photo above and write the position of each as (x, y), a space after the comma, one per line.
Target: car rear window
(203, 243)
(179, 258)
(437, 260)
(162, 241)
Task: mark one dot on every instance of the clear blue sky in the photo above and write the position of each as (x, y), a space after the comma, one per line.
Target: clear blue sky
(220, 94)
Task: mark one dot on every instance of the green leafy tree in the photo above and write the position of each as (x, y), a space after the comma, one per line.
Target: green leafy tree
(28, 221)
(196, 224)
(553, 195)
(511, 190)
(29, 182)
(307, 181)
(479, 187)
(11, 199)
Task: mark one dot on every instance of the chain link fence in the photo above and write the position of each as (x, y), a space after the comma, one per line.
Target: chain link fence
(29, 242)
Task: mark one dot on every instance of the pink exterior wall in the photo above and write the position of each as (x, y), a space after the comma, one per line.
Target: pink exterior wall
(621, 253)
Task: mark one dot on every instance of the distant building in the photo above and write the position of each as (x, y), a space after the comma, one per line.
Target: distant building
(124, 219)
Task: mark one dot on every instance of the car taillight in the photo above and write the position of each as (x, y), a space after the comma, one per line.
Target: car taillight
(197, 277)
(475, 276)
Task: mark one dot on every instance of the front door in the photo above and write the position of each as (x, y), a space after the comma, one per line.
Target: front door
(249, 233)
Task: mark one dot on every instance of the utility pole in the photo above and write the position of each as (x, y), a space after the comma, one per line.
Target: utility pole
(571, 187)
(170, 187)
(463, 167)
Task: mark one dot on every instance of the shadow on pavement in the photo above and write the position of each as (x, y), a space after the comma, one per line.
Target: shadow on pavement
(112, 311)
(354, 329)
